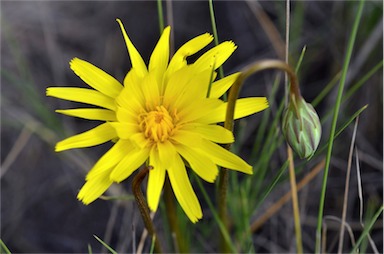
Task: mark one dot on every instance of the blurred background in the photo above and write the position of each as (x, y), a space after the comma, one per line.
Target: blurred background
(39, 209)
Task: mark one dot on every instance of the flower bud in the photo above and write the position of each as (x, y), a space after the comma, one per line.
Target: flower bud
(301, 127)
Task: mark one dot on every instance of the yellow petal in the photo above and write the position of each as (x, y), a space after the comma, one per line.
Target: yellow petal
(96, 78)
(110, 158)
(125, 130)
(183, 190)
(132, 161)
(198, 109)
(189, 48)
(139, 140)
(151, 91)
(244, 107)
(187, 138)
(215, 133)
(197, 88)
(177, 84)
(159, 59)
(126, 116)
(98, 135)
(136, 60)
(94, 188)
(185, 84)
(199, 162)
(132, 97)
(167, 153)
(221, 86)
(83, 95)
(224, 157)
(249, 106)
(90, 113)
(216, 56)
(155, 180)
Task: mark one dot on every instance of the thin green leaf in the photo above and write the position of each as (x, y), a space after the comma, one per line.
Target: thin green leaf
(222, 228)
(351, 43)
(367, 229)
(4, 248)
(105, 245)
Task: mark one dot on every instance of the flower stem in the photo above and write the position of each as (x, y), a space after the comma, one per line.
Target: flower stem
(248, 71)
(295, 202)
(136, 183)
(181, 246)
(161, 15)
(228, 124)
(222, 201)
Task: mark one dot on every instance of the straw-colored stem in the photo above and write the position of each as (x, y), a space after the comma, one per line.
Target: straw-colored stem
(272, 210)
(136, 183)
(295, 202)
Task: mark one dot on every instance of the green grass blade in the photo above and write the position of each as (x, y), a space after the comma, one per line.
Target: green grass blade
(362, 81)
(222, 228)
(105, 245)
(343, 127)
(326, 90)
(351, 43)
(366, 230)
(89, 249)
(152, 244)
(4, 248)
(300, 59)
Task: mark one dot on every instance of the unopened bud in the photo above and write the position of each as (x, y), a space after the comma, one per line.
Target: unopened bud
(301, 127)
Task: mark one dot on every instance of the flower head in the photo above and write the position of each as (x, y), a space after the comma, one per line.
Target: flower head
(160, 115)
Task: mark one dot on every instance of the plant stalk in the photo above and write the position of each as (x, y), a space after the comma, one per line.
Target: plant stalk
(229, 121)
(181, 246)
(144, 211)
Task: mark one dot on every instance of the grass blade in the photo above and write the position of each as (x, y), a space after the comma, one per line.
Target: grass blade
(105, 245)
(367, 229)
(351, 43)
(4, 248)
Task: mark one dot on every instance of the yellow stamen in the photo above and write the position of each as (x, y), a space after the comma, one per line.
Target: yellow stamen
(157, 124)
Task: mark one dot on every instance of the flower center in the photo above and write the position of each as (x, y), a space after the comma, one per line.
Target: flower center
(157, 124)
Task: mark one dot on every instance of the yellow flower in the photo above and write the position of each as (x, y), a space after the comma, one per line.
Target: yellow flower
(161, 114)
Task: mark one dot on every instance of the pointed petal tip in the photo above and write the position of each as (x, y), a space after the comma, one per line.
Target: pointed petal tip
(58, 148)
(81, 197)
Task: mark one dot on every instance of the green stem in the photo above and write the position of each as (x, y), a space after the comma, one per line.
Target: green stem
(161, 16)
(223, 175)
(181, 246)
(334, 121)
(214, 30)
(222, 201)
(136, 183)
(229, 119)
(248, 71)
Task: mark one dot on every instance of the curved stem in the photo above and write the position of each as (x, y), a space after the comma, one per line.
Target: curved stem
(136, 183)
(252, 69)
(229, 119)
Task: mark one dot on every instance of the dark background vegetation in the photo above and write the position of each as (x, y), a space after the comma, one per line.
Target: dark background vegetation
(39, 210)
